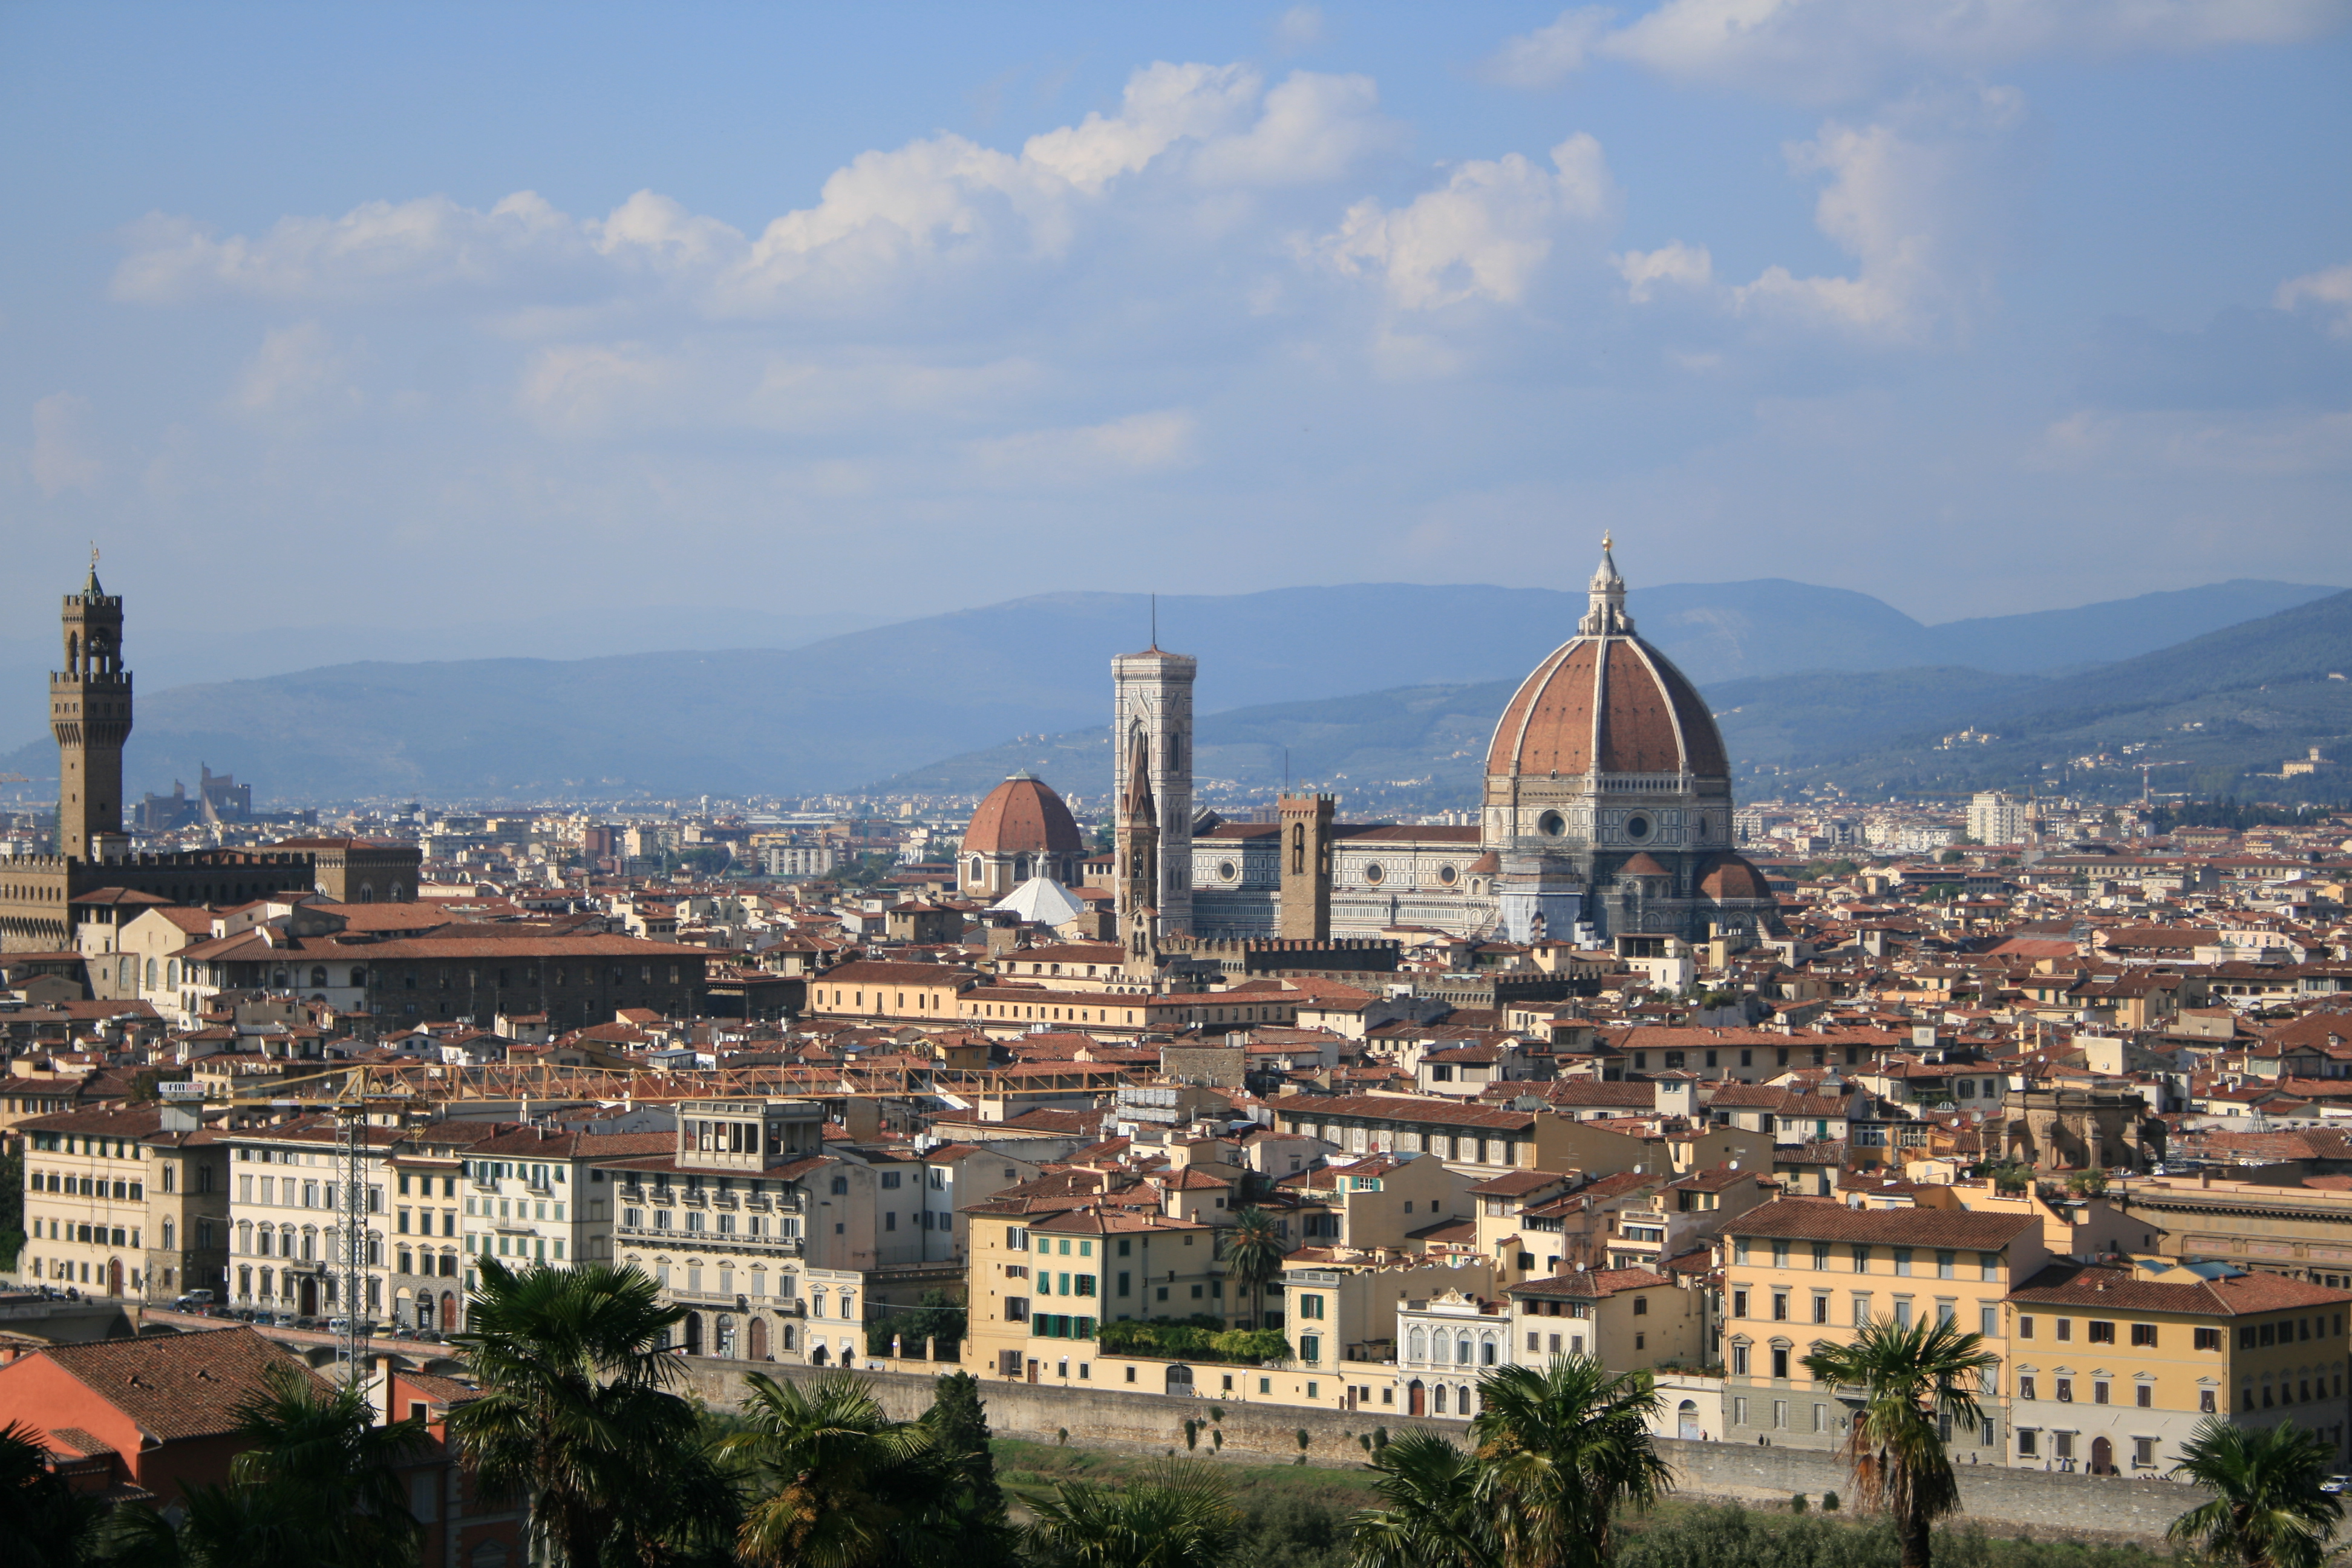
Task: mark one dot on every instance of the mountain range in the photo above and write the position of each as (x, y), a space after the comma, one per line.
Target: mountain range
(1397, 681)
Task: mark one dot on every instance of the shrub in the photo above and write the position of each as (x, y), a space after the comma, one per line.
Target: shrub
(1797, 1503)
(1829, 1502)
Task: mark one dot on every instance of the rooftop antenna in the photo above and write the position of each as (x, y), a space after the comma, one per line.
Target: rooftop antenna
(1155, 620)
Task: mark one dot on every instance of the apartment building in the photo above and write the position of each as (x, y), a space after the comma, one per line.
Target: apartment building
(1445, 1343)
(1630, 1318)
(735, 1219)
(1040, 1283)
(131, 1202)
(2112, 1368)
(1802, 1272)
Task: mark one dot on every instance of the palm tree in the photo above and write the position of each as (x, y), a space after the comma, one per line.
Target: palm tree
(1562, 1450)
(574, 1365)
(1254, 1250)
(313, 1450)
(2268, 1511)
(1909, 1376)
(45, 1522)
(844, 1485)
(1175, 1514)
(1432, 1516)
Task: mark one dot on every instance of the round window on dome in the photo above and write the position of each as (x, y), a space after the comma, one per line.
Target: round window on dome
(1446, 874)
(1228, 871)
(1551, 825)
(1637, 828)
(1374, 872)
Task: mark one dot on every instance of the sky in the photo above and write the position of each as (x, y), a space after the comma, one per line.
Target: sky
(433, 331)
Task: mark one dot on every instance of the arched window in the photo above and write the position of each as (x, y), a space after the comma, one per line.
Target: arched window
(367, 892)
(359, 975)
(1437, 1400)
(1420, 1345)
(151, 975)
(1461, 1349)
(1486, 1350)
(1299, 848)
(1020, 867)
(318, 975)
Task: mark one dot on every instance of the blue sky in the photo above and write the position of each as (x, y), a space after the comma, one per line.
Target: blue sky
(426, 331)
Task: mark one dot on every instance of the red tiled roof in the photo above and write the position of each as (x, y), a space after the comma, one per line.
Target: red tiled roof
(2117, 1290)
(177, 1385)
(1810, 1219)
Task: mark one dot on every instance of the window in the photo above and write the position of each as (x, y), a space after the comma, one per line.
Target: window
(2143, 1334)
(2062, 1444)
(1989, 1268)
(1780, 1255)
(1861, 1259)
(2065, 1391)
(2025, 1386)
(2099, 1391)
(1779, 1360)
(2102, 1333)
(2205, 1401)
(2066, 1327)
(1780, 1306)
(1821, 1308)
(1989, 1322)
(2027, 1443)
(2144, 1451)
(1946, 1265)
(1902, 1260)
(2207, 1339)
(1739, 1359)
(2144, 1395)
(1739, 1303)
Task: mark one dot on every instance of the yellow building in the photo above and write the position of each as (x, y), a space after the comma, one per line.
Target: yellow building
(1039, 1284)
(131, 1202)
(1804, 1272)
(2111, 1369)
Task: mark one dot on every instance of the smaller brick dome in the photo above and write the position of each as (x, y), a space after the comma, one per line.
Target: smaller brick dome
(1022, 816)
(1728, 878)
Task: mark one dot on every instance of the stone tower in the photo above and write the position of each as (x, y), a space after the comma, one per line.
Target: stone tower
(1136, 876)
(1306, 909)
(1152, 739)
(89, 713)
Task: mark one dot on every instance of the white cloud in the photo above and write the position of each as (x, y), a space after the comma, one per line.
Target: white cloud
(1141, 443)
(1827, 49)
(1300, 27)
(299, 373)
(2329, 290)
(1921, 198)
(928, 207)
(1684, 266)
(1551, 53)
(410, 245)
(1485, 234)
(1314, 128)
(65, 451)
(2250, 445)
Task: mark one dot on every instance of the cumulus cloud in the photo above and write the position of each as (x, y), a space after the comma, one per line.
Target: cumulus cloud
(2329, 291)
(928, 207)
(1676, 264)
(1141, 443)
(1551, 53)
(1919, 197)
(297, 372)
(1483, 234)
(65, 448)
(1827, 49)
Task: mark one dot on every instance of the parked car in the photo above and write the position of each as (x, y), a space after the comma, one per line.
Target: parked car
(193, 1301)
(2335, 1484)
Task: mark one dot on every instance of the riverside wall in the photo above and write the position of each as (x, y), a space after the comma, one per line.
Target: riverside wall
(1109, 1418)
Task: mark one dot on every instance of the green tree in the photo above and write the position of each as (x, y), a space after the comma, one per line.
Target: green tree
(1909, 1376)
(2088, 1183)
(972, 1500)
(575, 1368)
(1563, 1448)
(2268, 1511)
(12, 1206)
(837, 1483)
(1431, 1514)
(45, 1522)
(1176, 1514)
(1254, 1252)
(2010, 1176)
(316, 1484)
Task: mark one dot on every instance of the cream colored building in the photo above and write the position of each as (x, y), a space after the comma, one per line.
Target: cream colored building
(131, 1202)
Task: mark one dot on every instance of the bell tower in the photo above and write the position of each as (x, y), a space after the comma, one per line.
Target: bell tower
(1306, 909)
(1152, 741)
(90, 713)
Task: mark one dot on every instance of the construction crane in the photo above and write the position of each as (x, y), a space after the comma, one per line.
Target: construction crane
(349, 1104)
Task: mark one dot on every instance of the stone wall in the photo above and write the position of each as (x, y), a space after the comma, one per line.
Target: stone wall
(1144, 1423)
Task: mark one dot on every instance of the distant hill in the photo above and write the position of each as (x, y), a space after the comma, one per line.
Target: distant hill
(875, 703)
(2227, 707)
